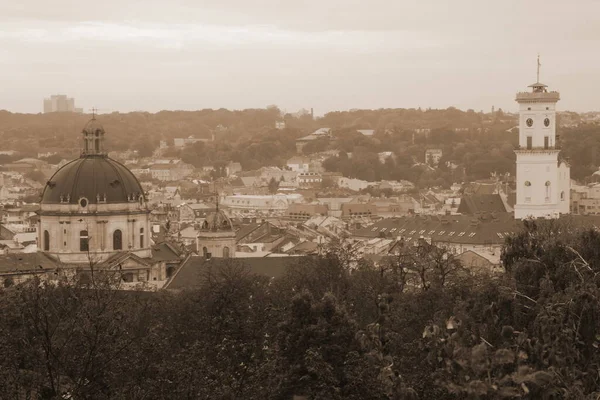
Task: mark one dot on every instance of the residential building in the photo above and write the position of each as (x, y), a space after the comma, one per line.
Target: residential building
(433, 157)
(60, 103)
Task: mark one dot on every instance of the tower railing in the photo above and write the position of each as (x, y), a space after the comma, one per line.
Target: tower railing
(538, 96)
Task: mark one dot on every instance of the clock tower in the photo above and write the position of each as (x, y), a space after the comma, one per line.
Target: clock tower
(543, 182)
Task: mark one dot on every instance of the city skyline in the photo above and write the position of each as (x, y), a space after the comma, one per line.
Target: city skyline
(330, 56)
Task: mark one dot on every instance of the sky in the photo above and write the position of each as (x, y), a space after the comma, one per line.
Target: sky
(152, 55)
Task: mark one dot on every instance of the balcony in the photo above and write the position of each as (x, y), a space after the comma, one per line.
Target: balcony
(538, 97)
(556, 147)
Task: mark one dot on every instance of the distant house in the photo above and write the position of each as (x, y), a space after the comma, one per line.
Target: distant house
(298, 164)
(318, 134)
(170, 172)
(433, 156)
(304, 212)
(233, 168)
(309, 179)
(366, 132)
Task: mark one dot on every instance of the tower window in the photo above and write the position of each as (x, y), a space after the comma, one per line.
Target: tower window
(225, 252)
(562, 196)
(528, 108)
(529, 142)
(118, 240)
(546, 142)
(84, 244)
(205, 252)
(141, 238)
(548, 192)
(46, 241)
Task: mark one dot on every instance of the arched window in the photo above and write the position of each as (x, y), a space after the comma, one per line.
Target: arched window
(225, 252)
(527, 192)
(205, 252)
(97, 146)
(84, 244)
(141, 238)
(118, 240)
(548, 192)
(562, 196)
(46, 241)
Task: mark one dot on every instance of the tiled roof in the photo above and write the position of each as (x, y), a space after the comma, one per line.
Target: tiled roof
(197, 269)
(476, 203)
(455, 229)
(459, 229)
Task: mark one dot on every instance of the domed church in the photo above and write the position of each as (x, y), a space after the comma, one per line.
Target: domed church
(93, 209)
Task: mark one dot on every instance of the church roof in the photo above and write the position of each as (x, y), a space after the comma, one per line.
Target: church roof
(91, 177)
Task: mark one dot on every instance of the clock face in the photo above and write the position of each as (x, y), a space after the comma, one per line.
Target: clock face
(529, 122)
(547, 122)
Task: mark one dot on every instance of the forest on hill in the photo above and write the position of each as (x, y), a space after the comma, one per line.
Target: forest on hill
(474, 145)
(420, 326)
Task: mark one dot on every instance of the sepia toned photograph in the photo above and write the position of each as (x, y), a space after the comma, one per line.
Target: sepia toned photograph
(314, 200)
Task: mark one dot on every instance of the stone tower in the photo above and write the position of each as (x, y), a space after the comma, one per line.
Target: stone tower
(543, 182)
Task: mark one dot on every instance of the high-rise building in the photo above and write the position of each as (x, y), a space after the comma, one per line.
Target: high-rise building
(543, 180)
(60, 103)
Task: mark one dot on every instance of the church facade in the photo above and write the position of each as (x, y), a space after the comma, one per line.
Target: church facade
(94, 213)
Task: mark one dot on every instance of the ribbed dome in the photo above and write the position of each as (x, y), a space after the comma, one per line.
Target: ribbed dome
(97, 178)
(217, 221)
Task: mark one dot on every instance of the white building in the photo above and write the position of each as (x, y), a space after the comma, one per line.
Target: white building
(543, 182)
(298, 164)
(275, 202)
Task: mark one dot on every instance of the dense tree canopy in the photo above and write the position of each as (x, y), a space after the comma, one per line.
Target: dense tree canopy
(335, 327)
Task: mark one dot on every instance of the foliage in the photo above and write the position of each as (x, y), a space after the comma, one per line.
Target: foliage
(336, 326)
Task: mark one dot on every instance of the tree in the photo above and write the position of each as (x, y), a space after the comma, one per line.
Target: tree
(273, 185)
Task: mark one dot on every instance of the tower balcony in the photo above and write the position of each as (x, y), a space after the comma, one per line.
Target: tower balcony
(537, 97)
(537, 149)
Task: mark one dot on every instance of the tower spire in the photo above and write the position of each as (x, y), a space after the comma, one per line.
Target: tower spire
(538, 68)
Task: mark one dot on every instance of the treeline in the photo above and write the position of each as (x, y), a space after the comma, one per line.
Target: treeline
(478, 144)
(419, 326)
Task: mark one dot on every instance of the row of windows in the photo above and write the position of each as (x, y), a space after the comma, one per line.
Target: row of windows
(84, 240)
(225, 252)
(431, 232)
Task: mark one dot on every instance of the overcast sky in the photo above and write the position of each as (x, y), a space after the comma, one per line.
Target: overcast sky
(328, 54)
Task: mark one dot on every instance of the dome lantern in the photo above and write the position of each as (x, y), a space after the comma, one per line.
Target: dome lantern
(93, 138)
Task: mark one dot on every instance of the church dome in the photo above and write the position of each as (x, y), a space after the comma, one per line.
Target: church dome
(95, 178)
(217, 221)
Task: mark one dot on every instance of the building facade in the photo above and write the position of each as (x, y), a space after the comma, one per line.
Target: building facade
(93, 208)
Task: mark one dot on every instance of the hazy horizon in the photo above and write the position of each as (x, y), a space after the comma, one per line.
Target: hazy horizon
(330, 55)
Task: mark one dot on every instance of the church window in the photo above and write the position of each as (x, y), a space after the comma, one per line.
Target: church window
(529, 122)
(118, 240)
(527, 183)
(225, 252)
(141, 238)
(83, 202)
(46, 241)
(97, 146)
(562, 196)
(205, 252)
(529, 142)
(84, 244)
(548, 190)
(547, 122)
